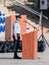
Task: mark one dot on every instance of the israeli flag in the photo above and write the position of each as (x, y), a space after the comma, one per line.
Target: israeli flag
(2, 26)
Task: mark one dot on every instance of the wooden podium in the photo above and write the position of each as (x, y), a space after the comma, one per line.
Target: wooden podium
(29, 45)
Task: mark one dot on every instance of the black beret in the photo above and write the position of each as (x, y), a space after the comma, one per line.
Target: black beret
(18, 16)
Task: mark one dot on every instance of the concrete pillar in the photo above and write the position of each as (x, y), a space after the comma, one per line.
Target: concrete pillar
(8, 27)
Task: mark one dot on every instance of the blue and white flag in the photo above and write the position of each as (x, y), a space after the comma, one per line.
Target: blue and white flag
(2, 25)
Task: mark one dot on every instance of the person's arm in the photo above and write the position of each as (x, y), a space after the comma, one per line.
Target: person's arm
(13, 26)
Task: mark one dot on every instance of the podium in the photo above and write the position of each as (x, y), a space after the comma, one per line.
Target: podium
(29, 45)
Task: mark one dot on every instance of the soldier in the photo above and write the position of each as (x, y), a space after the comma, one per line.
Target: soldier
(16, 36)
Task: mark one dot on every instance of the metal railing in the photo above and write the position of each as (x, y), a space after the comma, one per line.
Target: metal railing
(28, 8)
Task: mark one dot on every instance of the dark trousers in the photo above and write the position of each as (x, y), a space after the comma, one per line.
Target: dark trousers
(16, 45)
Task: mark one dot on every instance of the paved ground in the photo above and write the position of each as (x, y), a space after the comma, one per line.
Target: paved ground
(7, 59)
(42, 58)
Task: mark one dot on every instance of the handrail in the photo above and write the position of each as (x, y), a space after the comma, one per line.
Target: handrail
(29, 9)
